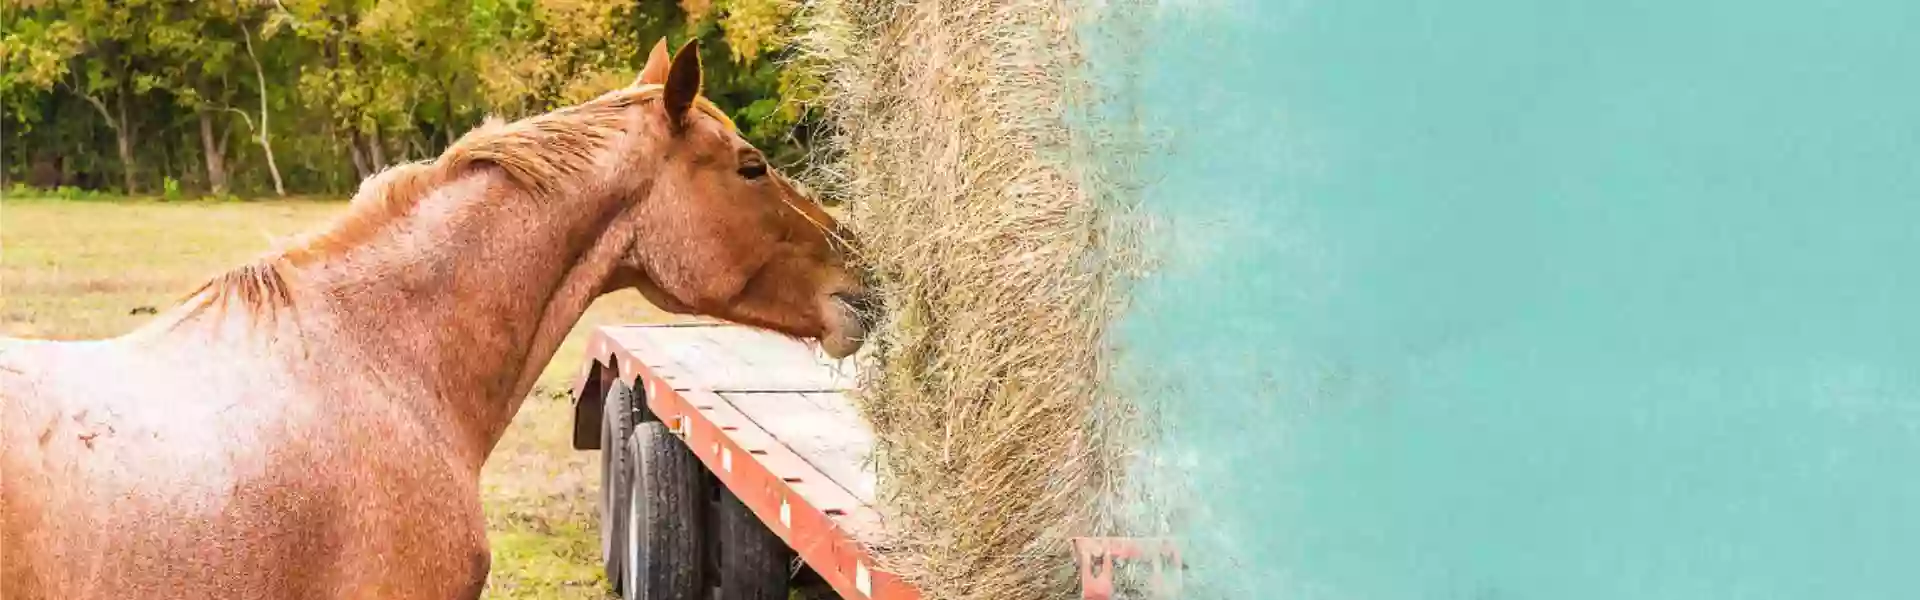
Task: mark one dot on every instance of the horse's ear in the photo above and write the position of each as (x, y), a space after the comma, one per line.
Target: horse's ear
(655, 73)
(683, 83)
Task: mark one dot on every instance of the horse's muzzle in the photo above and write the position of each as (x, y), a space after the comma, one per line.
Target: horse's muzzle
(854, 317)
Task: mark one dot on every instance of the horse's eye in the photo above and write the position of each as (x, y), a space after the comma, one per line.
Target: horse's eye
(753, 169)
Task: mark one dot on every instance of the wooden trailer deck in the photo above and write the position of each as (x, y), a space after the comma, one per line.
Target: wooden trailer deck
(766, 415)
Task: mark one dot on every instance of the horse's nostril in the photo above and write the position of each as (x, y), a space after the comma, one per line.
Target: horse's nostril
(852, 301)
(864, 306)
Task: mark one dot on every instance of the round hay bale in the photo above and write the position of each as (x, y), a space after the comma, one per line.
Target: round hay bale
(952, 152)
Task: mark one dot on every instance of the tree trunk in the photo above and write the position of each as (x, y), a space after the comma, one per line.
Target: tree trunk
(446, 122)
(123, 135)
(126, 160)
(354, 145)
(376, 150)
(266, 145)
(216, 155)
(266, 137)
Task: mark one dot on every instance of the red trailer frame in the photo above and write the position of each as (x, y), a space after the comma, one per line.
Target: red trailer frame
(816, 517)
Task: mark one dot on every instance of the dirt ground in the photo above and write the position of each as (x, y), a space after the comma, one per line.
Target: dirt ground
(88, 269)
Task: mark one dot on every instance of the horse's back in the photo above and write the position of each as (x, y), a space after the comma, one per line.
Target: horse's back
(72, 403)
(46, 391)
(121, 464)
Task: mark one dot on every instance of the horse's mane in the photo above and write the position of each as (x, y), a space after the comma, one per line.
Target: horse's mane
(541, 154)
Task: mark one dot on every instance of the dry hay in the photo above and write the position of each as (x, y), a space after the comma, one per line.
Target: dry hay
(996, 438)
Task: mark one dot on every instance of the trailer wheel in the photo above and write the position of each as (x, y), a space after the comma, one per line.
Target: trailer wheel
(754, 563)
(616, 473)
(664, 533)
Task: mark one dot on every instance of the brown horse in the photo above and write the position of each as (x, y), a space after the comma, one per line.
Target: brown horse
(312, 425)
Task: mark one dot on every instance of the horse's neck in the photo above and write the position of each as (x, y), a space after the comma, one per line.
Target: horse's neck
(468, 299)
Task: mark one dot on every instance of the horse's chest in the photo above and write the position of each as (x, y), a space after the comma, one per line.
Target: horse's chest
(409, 517)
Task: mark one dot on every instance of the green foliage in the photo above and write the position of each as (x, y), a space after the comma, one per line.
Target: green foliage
(747, 46)
(21, 191)
(113, 93)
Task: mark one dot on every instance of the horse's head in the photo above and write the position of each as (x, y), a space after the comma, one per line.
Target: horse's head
(720, 233)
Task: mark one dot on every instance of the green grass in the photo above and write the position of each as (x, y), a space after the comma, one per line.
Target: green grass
(73, 269)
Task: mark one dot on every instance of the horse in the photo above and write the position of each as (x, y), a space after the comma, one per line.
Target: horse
(312, 424)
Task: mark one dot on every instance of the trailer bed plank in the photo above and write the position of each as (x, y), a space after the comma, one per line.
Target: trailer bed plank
(839, 404)
(739, 359)
(828, 440)
(641, 343)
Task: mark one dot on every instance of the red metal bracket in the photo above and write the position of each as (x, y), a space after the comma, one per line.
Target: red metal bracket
(1101, 558)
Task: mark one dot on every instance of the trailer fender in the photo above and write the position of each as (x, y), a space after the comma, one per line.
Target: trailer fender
(589, 395)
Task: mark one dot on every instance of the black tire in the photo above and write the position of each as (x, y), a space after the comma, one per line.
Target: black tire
(754, 563)
(665, 536)
(616, 474)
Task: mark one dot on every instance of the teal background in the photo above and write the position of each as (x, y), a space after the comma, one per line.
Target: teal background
(1521, 299)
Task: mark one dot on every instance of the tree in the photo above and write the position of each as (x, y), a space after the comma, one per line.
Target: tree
(36, 53)
(194, 54)
(330, 91)
(107, 75)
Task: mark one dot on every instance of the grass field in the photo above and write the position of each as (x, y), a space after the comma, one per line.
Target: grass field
(83, 269)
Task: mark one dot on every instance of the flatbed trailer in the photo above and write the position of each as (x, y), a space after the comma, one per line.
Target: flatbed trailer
(729, 452)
